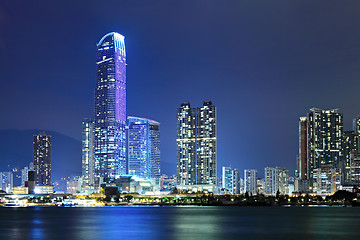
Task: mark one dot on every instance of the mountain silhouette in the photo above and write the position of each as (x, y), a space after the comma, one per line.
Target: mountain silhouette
(16, 152)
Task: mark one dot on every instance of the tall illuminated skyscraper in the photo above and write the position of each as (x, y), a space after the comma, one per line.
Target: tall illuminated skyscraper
(110, 108)
(186, 145)
(88, 152)
(302, 159)
(196, 144)
(324, 139)
(42, 159)
(144, 147)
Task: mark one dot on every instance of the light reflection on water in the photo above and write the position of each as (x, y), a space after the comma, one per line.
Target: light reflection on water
(196, 223)
(179, 223)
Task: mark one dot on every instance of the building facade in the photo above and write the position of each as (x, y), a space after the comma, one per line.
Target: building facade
(276, 180)
(230, 180)
(167, 183)
(324, 139)
(87, 152)
(250, 181)
(42, 159)
(6, 181)
(327, 180)
(355, 169)
(350, 148)
(24, 173)
(110, 109)
(236, 181)
(143, 147)
(227, 179)
(302, 158)
(271, 183)
(196, 144)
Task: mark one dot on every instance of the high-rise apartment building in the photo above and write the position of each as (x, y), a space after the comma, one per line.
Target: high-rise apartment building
(271, 183)
(250, 181)
(356, 129)
(302, 158)
(355, 169)
(6, 181)
(110, 108)
(227, 179)
(230, 180)
(350, 148)
(324, 139)
(24, 173)
(196, 144)
(276, 179)
(186, 145)
(42, 159)
(88, 152)
(283, 180)
(143, 147)
(356, 125)
(236, 181)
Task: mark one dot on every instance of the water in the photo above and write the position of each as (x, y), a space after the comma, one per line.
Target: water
(180, 223)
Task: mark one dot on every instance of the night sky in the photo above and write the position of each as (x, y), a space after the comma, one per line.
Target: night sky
(262, 63)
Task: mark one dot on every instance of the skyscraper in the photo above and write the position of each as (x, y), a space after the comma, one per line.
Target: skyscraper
(6, 181)
(143, 147)
(206, 144)
(196, 144)
(186, 145)
(227, 179)
(88, 152)
(324, 139)
(271, 184)
(276, 179)
(356, 129)
(250, 183)
(356, 125)
(110, 108)
(302, 158)
(350, 148)
(231, 180)
(24, 173)
(236, 181)
(42, 158)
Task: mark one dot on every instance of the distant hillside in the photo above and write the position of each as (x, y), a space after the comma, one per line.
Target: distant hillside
(16, 151)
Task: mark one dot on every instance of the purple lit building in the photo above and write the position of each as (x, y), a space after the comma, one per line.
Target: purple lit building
(110, 109)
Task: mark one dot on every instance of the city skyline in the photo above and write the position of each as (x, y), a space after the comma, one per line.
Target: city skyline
(253, 75)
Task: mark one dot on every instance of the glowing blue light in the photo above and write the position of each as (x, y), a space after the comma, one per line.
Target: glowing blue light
(119, 42)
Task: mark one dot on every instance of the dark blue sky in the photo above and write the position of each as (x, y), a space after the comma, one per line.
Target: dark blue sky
(262, 63)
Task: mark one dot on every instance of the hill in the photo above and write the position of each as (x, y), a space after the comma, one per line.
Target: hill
(16, 151)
